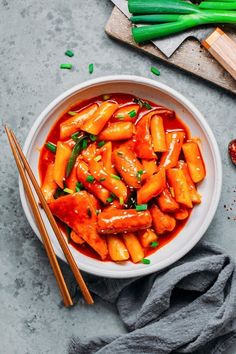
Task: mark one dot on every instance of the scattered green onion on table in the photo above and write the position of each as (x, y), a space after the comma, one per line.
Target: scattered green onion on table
(167, 17)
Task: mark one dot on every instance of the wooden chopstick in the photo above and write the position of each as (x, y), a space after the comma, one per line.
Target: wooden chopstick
(38, 218)
(83, 287)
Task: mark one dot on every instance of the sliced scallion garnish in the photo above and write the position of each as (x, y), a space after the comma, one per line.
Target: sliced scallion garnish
(139, 175)
(106, 97)
(79, 187)
(132, 113)
(72, 113)
(147, 105)
(141, 207)
(120, 116)
(93, 137)
(154, 244)
(68, 191)
(115, 176)
(69, 53)
(155, 71)
(66, 66)
(109, 200)
(91, 68)
(50, 146)
(101, 143)
(90, 179)
(98, 158)
(84, 144)
(145, 261)
(121, 200)
(75, 136)
(75, 152)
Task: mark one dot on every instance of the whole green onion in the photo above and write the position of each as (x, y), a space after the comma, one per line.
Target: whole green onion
(161, 6)
(146, 33)
(157, 18)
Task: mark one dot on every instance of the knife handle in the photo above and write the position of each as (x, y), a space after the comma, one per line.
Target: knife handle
(223, 49)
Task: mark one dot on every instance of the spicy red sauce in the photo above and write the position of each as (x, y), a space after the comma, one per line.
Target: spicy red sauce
(46, 157)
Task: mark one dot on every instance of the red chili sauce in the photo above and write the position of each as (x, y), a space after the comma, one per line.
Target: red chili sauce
(46, 157)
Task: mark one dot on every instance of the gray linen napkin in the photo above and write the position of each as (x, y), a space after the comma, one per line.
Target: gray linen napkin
(188, 308)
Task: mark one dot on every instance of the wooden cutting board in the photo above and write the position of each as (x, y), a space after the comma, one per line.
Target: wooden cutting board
(190, 56)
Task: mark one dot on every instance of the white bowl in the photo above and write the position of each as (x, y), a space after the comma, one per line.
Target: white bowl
(210, 188)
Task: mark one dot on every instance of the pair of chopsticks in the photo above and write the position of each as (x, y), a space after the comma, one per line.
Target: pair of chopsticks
(23, 165)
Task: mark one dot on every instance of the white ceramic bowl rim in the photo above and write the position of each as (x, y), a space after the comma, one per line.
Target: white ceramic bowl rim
(217, 161)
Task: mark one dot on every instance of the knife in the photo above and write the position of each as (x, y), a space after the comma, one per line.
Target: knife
(221, 46)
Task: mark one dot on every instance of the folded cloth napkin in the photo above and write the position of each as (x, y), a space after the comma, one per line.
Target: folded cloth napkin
(187, 308)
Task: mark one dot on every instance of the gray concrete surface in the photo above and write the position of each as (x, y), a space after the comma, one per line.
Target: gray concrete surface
(33, 38)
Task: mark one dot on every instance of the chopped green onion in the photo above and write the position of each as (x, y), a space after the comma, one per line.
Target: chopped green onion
(154, 244)
(155, 71)
(98, 211)
(69, 53)
(98, 158)
(121, 199)
(79, 186)
(120, 116)
(139, 174)
(90, 179)
(132, 113)
(145, 261)
(109, 200)
(68, 190)
(75, 136)
(91, 68)
(72, 113)
(147, 105)
(68, 232)
(84, 144)
(142, 103)
(113, 195)
(93, 137)
(102, 179)
(106, 97)
(50, 146)
(141, 207)
(101, 143)
(75, 152)
(115, 176)
(66, 66)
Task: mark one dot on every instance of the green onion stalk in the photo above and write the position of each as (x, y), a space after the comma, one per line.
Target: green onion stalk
(141, 7)
(184, 22)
